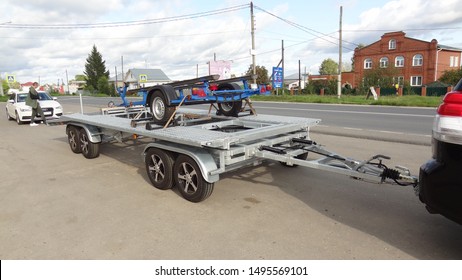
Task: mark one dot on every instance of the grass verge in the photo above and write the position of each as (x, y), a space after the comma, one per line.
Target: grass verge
(407, 100)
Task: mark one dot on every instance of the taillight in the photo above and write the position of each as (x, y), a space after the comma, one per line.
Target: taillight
(213, 87)
(447, 126)
(452, 105)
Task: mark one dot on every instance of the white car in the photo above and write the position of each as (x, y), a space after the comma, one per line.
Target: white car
(17, 109)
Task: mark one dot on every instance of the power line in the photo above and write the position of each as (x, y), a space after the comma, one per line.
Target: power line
(123, 23)
(311, 31)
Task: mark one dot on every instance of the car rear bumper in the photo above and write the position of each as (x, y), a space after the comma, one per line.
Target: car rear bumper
(440, 187)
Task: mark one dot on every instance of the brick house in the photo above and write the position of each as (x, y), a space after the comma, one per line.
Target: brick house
(415, 61)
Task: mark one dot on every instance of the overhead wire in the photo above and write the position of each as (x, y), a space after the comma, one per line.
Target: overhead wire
(123, 23)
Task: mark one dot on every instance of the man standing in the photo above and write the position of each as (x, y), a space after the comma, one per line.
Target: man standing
(32, 101)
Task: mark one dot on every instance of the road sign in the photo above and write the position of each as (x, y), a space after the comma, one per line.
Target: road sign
(277, 77)
(143, 78)
(10, 78)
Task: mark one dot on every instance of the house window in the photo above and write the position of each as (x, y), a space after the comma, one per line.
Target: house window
(368, 63)
(392, 44)
(454, 61)
(399, 61)
(417, 60)
(384, 62)
(416, 80)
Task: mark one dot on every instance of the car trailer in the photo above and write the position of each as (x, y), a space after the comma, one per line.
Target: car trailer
(228, 96)
(197, 147)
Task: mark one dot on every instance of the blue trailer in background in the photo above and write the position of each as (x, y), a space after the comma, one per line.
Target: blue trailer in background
(227, 96)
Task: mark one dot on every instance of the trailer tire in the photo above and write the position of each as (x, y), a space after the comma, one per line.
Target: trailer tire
(161, 113)
(89, 150)
(74, 139)
(159, 167)
(232, 108)
(189, 180)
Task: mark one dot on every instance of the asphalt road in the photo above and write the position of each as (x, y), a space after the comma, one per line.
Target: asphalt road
(58, 205)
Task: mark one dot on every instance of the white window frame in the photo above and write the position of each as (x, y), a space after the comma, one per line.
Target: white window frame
(399, 61)
(392, 44)
(416, 81)
(368, 63)
(417, 60)
(454, 61)
(384, 62)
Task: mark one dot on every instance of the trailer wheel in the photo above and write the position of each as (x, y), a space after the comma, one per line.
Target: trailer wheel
(89, 150)
(303, 156)
(73, 139)
(159, 165)
(189, 180)
(161, 113)
(230, 109)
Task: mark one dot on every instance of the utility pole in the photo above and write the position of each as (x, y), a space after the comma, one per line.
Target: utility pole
(67, 82)
(252, 51)
(282, 59)
(116, 79)
(1, 85)
(123, 75)
(339, 83)
(299, 78)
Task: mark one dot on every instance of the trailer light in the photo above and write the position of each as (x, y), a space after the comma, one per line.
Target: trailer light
(262, 89)
(213, 87)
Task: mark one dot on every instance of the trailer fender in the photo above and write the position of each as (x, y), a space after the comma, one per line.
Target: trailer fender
(167, 90)
(203, 159)
(94, 135)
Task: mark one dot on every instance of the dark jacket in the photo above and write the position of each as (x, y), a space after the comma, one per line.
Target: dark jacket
(32, 98)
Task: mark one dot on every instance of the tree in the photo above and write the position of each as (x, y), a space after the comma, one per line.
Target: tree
(103, 85)
(328, 67)
(5, 86)
(95, 68)
(80, 77)
(379, 77)
(262, 74)
(451, 77)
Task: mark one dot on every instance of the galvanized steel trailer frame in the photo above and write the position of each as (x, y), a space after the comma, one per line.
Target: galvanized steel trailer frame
(194, 153)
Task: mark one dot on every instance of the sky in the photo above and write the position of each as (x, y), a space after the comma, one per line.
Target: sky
(49, 41)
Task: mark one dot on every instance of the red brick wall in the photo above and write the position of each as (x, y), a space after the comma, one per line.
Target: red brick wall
(406, 47)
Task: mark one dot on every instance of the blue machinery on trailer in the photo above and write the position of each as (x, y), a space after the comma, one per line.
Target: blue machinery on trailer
(228, 95)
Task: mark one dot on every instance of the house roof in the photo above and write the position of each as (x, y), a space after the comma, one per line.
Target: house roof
(119, 78)
(449, 48)
(156, 75)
